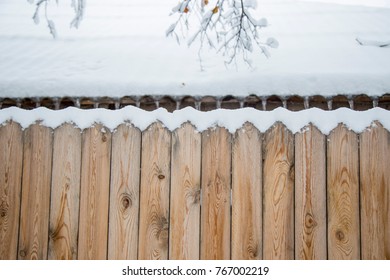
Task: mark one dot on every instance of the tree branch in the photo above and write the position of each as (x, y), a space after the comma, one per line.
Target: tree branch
(226, 25)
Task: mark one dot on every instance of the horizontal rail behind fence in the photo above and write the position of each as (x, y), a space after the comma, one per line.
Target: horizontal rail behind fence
(205, 103)
(156, 194)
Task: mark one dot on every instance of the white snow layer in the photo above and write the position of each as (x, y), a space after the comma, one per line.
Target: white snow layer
(371, 3)
(232, 120)
(121, 49)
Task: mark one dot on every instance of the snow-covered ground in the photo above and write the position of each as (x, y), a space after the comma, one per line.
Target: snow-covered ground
(121, 49)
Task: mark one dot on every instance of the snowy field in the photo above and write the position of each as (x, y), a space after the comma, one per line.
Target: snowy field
(121, 49)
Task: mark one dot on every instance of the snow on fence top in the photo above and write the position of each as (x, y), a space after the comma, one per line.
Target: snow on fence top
(232, 120)
(120, 49)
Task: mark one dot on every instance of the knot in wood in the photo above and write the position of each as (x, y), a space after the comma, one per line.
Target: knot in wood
(196, 196)
(161, 176)
(163, 223)
(309, 221)
(126, 201)
(3, 209)
(22, 253)
(340, 235)
(292, 172)
(253, 251)
(104, 137)
(6, 176)
(162, 231)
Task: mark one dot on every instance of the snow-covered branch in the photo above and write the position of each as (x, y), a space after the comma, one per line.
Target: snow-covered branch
(226, 25)
(77, 5)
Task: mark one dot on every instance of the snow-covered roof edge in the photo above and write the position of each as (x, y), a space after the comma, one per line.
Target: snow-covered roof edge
(232, 120)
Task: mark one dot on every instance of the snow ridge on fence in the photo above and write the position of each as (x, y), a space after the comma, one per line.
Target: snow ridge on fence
(232, 120)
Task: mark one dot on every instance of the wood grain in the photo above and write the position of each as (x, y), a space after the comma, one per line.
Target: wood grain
(94, 193)
(11, 156)
(343, 194)
(375, 193)
(154, 197)
(199, 195)
(310, 195)
(65, 193)
(184, 234)
(247, 194)
(278, 188)
(216, 188)
(34, 219)
(124, 194)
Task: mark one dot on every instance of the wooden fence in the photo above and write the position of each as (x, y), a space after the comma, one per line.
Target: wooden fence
(67, 194)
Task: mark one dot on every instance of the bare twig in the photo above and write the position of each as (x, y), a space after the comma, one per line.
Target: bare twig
(78, 6)
(226, 25)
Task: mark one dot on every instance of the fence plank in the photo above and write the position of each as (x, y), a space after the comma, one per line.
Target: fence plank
(343, 195)
(124, 194)
(216, 181)
(65, 193)
(375, 193)
(11, 156)
(310, 195)
(278, 174)
(185, 194)
(247, 194)
(34, 219)
(160, 212)
(94, 193)
(154, 198)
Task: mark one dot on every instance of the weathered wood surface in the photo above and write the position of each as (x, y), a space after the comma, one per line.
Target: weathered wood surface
(184, 235)
(65, 193)
(11, 156)
(247, 194)
(94, 193)
(278, 188)
(76, 195)
(310, 195)
(35, 205)
(154, 197)
(343, 194)
(216, 189)
(375, 193)
(124, 194)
